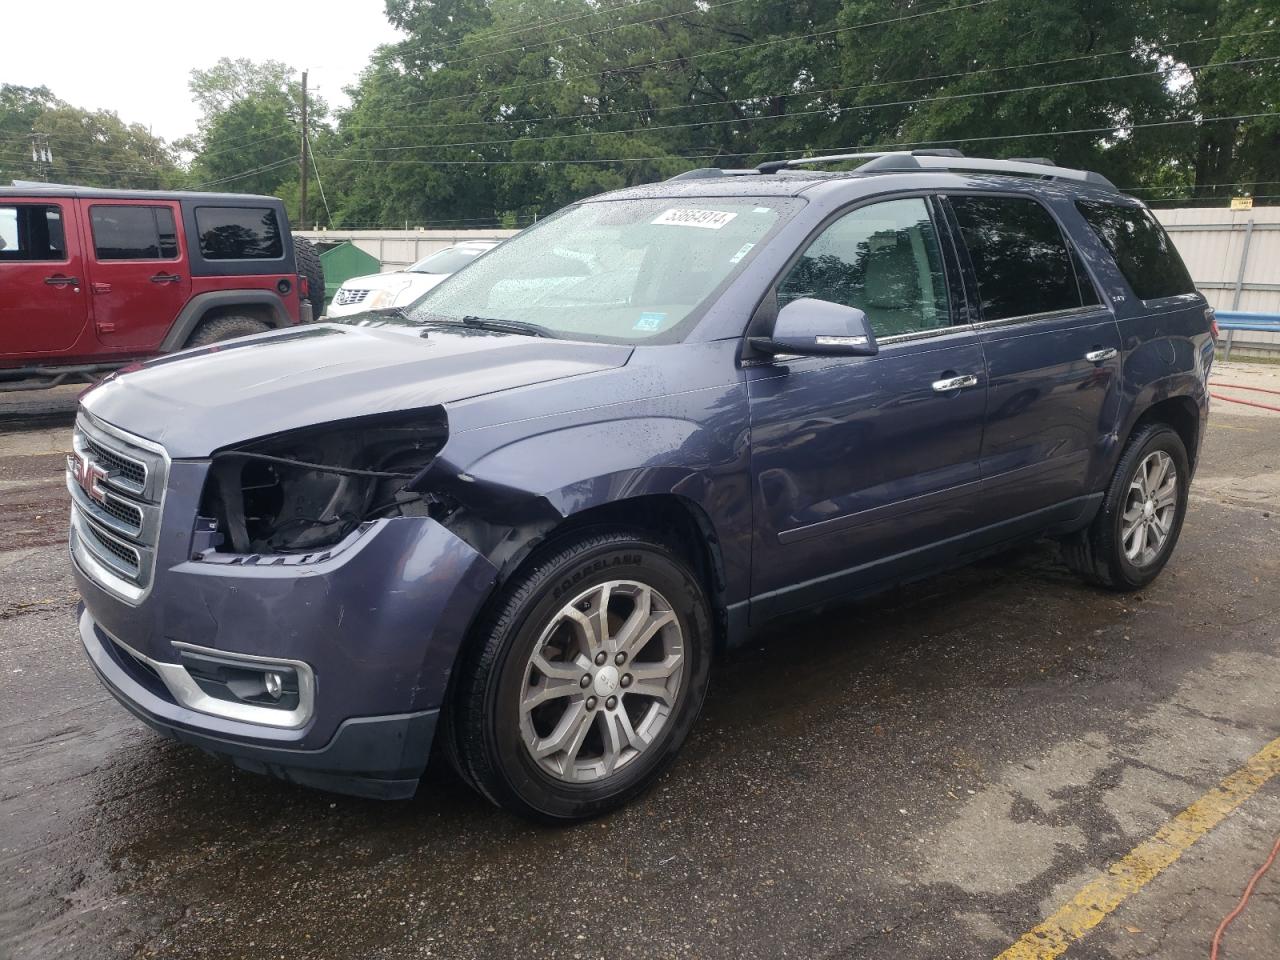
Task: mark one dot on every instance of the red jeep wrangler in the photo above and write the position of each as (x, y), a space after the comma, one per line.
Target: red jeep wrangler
(93, 279)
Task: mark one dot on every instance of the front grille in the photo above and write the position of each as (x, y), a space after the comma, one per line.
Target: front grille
(116, 481)
(125, 467)
(346, 297)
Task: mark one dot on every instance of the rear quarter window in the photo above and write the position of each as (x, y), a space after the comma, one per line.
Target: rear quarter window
(1140, 247)
(239, 233)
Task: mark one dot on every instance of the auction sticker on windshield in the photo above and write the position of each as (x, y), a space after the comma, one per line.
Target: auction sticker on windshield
(689, 217)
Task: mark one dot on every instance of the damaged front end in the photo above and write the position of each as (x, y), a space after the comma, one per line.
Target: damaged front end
(308, 490)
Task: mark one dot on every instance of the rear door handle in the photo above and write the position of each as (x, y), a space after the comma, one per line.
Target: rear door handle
(58, 280)
(1097, 356)
(955, 383)
(165, 278)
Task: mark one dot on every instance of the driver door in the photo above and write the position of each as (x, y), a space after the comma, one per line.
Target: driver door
(864, 468)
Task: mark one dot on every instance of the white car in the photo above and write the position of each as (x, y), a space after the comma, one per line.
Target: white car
(398, 289)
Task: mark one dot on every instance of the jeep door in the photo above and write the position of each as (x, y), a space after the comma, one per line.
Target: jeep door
(1052, 348)
(138, 271)
(863, 468)
(43, 300)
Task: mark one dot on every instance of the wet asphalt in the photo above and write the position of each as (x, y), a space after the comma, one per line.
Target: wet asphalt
(925, 775)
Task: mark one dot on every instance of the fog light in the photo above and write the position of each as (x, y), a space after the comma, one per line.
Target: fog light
(274, 684)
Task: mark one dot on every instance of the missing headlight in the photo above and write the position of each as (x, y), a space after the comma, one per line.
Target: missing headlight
(308, 489)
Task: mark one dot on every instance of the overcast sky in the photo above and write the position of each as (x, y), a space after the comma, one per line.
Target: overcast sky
(135, 58)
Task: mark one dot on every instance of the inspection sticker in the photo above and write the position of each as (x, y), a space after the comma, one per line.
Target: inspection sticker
(742, 252)
(650, 321)
(689, 217)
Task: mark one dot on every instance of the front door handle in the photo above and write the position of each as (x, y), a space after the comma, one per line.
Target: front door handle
(955, 383)
(1098, 356)
(58, 280)
(165, 278)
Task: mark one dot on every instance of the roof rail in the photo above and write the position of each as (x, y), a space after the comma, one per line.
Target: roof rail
(905, 162)
(773, 166)
(709, 173)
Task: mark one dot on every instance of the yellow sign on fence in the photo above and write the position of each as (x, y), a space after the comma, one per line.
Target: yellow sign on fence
(1242, 203)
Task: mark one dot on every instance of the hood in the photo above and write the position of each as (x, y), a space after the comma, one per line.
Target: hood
(202, 400)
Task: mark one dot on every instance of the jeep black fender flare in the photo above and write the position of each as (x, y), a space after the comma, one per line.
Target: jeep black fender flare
(199, 306)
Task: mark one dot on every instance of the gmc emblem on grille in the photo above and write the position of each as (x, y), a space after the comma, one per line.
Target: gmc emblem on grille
(90, 476)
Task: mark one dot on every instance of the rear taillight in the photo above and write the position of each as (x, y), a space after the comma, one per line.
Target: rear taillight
(304, 288)
(1213, 321)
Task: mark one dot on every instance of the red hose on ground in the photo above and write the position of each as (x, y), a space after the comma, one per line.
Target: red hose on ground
(1244, 899)
(1247, 403)
(1238, 386)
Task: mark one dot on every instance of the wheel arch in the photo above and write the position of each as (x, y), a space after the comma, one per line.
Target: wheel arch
(262, 305)
(1180, 412)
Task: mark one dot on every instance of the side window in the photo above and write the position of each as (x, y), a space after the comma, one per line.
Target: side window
(1142, 250)
(239, 233)
(1088, 292)
(1020, 260)
(122, 232)
(31, 232)
(883, 259)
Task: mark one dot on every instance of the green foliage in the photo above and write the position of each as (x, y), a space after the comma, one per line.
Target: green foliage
(494, 111)
(88, 147)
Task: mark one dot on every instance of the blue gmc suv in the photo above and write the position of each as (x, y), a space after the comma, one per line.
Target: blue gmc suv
(519, 518)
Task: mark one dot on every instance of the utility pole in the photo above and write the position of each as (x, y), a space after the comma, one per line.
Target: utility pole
(302, 160)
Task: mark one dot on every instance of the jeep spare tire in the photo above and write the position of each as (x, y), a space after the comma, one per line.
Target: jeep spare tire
(304, 252)
(225, 328)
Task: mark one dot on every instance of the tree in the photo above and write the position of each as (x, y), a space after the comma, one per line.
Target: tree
(94, 148)
(250, 128)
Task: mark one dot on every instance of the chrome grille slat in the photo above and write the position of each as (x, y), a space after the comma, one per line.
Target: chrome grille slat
(116, 482)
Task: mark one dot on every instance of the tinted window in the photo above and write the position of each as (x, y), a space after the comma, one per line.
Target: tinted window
(1142, 250)
(30, 231)
(239, 233)
(883, 259)
(133, 233)
(1018, 255)
(1088, 292)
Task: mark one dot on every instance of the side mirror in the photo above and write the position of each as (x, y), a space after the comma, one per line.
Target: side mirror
(809, 327)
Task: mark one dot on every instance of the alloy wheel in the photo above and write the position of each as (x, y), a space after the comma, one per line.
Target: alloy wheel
(602, 681)
(1150, 508)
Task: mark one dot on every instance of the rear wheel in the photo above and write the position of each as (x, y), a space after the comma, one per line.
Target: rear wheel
(587, 679)
(309, 266)
(225, 328)
(1138, 525)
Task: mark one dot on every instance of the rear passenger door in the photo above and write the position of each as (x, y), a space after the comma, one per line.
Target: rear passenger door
(1052, 354)
(864, 467)
(138, 271)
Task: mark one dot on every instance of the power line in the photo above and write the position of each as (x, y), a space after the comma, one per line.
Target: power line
(1116, 128)
(481, 36)
(524, 48)
(748, 101)
(823, 111)
(650, 64)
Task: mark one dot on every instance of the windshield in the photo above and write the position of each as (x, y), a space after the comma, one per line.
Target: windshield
(626, 271)
(450, 260)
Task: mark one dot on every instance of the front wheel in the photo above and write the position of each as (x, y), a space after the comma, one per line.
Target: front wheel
(1135, 531)
(586, 680)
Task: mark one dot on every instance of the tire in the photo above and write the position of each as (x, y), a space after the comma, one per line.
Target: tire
(1104, 554)
(225, 328)
(494, 734)
(309, 266)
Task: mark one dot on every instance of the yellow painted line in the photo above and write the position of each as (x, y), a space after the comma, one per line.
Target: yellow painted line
(1090, 906)
(1223, 426)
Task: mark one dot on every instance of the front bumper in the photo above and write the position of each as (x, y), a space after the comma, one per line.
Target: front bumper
(377, 625)
(380, 757)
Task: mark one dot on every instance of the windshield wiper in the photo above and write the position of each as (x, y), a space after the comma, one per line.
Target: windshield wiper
(506, 326)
